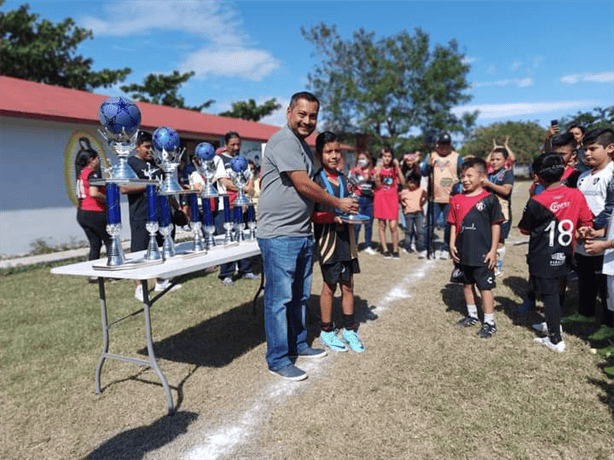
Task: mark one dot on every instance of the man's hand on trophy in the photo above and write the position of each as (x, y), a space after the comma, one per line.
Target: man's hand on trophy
(348, 205)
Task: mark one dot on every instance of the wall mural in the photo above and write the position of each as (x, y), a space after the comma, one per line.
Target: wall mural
(80, 139)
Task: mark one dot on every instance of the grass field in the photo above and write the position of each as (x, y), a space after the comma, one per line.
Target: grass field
(423, 388)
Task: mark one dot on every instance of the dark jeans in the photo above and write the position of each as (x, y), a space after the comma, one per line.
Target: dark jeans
(590, 283)
(440, 219)
(365, 206)
(94, 224)
(414, 222)
(227, 270)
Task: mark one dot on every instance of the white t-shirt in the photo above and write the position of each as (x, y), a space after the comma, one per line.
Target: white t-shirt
(594, 187)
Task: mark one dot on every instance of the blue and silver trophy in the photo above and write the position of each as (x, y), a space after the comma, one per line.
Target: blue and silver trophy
(167, 154)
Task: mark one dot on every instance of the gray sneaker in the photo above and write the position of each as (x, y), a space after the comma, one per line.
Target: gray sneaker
(311, 352)
(290, 372)
(250, 276)
(228, 281)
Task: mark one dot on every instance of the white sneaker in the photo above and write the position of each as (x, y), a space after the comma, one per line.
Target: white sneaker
(542, 328)
(161, 286)
(370, 250)
(560, 347)
(422, 255)
(138, 293)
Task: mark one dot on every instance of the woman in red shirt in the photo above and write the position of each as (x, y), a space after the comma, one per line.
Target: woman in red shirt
(91, 213)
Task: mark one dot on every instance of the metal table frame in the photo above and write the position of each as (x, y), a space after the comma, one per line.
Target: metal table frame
(173, 269)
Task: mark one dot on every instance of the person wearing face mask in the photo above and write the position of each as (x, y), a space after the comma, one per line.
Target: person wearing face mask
(364, 169)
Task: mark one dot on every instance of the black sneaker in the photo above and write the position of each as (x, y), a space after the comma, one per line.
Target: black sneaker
(467, 321)
(395, 255)
(290, 372)
(387, 255)
(487, 330)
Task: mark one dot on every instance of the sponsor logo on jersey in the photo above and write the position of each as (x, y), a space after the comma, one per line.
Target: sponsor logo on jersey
(554, 207)
(557, 259)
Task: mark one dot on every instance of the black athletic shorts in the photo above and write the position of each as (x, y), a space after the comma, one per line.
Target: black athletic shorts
(482, 277)
(339, 272)
(544, 286)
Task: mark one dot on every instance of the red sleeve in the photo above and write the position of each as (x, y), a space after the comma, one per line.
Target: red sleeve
(452, 212)
(323, 217)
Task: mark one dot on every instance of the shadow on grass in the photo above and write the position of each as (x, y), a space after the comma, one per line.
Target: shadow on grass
(607, 387)
(452, 295)
(363, 312)
(134, 444)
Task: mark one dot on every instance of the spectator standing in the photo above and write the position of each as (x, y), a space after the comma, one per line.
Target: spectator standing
(388, 176)
(412, 199)
(364, 168)
(285, 236)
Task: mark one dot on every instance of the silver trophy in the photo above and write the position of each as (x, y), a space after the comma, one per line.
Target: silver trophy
(240, 174)
(354, 183)
(251, 222)
(198, 243)
(205, 153)
(153, 252)
(167, 154)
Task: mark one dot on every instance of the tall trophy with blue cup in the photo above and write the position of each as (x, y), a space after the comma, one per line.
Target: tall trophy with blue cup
(205, 153)
(167, 154)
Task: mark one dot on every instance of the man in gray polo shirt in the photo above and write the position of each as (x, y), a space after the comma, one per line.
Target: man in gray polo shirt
(285, 236)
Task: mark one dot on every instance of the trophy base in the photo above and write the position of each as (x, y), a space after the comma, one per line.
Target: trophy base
(242, 201)
(136, 263)
(354, 218)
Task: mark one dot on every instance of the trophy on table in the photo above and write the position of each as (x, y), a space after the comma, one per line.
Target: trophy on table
(120, 119)
(354, 182)
(240, 174)
(205, 153)
(167, 154)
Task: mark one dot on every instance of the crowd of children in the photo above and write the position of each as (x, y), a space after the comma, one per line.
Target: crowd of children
(568, 218)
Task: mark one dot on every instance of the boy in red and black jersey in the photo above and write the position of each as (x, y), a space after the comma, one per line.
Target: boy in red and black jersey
(552, 219)
(475, 217)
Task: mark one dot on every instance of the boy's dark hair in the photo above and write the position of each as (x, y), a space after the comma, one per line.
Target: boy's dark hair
(503, 151)
(306, 95)
(562, 139)
(548, 167)
(323, 139)
(229, 135)
(603, 137)
(476, 163)
(142, 137)
(414, 179)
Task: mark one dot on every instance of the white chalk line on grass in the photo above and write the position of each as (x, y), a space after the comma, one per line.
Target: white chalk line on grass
(235, 431)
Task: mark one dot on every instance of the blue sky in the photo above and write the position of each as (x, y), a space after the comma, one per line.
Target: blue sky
(531, 60)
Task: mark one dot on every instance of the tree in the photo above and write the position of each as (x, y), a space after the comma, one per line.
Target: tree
(385, 87)
(45, 52)
(163, 90)
(597, 118)
(250, 111)
(525, 140)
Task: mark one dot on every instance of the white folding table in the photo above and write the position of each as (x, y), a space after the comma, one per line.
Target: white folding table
(172, 268)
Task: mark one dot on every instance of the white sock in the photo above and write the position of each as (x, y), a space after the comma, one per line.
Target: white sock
(472, 310)
(489, 318)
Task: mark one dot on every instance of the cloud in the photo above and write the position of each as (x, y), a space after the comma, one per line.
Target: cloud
(227, 51)
(469, 60)
(520, 82)
(516, 65)
(277, 118)
(249, 64)
(599, 77)
(492, 111)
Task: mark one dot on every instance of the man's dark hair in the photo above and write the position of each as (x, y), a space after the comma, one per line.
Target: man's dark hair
(476, 163)
(306, 95)
(142, 137)
(229, 135)
(562, 139)
(548, 167)
(603, 137)
(323, 139)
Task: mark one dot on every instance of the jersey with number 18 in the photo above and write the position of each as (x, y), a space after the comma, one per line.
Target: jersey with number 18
(552, 219)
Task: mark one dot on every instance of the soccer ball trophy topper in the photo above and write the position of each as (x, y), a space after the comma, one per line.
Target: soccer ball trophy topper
(167, 154)
(205, 153)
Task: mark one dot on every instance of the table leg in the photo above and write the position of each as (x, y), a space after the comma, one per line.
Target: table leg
(150, 350)
(105, 332)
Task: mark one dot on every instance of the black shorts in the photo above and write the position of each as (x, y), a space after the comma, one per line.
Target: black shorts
(482, 277)
(339, 272)
(544, 286)
(505, 229)
(139, 236)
